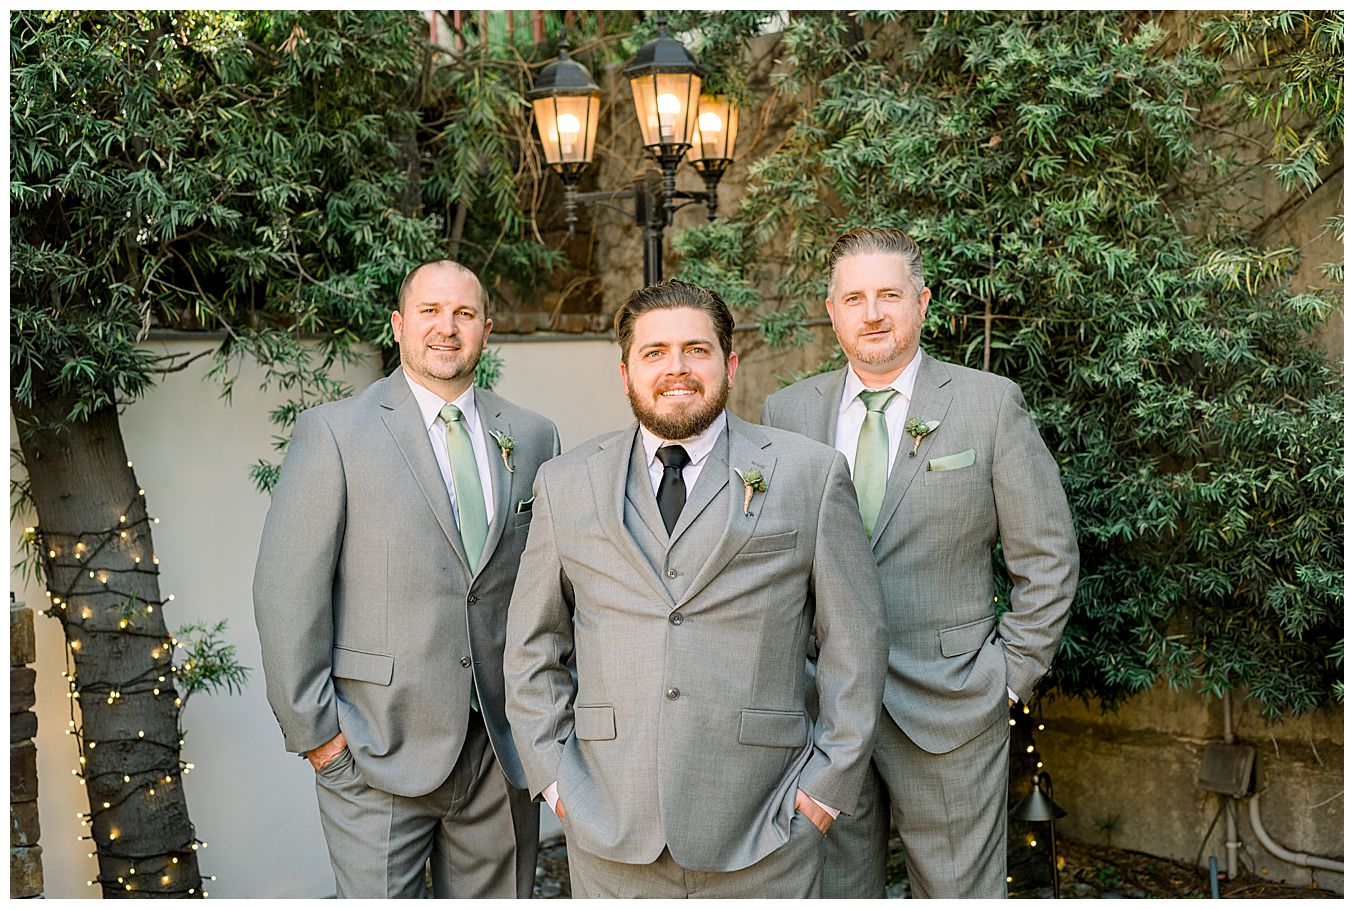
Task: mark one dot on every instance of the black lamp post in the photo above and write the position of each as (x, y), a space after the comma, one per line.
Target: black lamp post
(676, 121)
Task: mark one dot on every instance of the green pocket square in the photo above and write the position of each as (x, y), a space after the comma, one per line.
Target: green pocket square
(525, 505)
(954, 461)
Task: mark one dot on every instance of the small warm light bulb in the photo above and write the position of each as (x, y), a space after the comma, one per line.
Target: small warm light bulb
(51, 553)
(1033, 844)
(122, 519)
(106, 805)
(669, 103)
(141, 734)
(165, 879)
(1012, 722)
(150, 791)
(1041, 727)
(1029, 749)
(1025, 709)
(75, 645)
(113, 835)
(126, 778)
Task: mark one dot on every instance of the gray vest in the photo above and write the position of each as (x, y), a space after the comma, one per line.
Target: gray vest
(679, 558)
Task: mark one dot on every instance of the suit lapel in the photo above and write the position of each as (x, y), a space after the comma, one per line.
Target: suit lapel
(930, 401)
(402, 419)
(713, 478)
(607, 470)
(748, 448)
(821, 410)
(491, 422)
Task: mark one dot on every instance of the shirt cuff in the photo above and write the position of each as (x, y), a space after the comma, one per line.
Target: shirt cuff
(832, 812)
(1012, 695)
(551, 795)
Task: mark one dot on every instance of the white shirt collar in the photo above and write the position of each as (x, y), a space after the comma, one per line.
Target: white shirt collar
(905, 384)
(696, 446)
(430, 403)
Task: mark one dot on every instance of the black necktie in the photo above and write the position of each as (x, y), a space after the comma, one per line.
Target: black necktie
(672, 488)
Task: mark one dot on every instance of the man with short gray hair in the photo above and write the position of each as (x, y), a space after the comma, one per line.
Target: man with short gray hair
(946, 461)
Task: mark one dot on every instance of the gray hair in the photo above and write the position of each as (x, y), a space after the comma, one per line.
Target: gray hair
(877, 240)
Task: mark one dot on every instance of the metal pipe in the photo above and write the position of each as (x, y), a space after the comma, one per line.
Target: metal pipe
(1233, 842)
(1300, 859)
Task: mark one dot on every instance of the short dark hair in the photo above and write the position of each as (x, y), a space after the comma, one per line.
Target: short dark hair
(408, 279)
(877, 240)
(674, 295)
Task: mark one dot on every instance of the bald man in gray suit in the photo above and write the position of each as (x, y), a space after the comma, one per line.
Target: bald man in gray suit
(681, 565)
(946, 462)
(381, 594)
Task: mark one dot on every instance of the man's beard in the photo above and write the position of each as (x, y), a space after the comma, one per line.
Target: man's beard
(878, 356)
(685, 425)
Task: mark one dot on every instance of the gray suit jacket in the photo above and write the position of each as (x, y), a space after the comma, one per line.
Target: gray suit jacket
(370, 619)
(685, 725)
(950, 659)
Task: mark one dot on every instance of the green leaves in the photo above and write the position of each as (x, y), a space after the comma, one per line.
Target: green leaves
(1052, 167)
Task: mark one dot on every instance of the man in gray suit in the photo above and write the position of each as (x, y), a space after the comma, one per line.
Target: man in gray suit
(381, 595)
(681, 759)
(946, 462)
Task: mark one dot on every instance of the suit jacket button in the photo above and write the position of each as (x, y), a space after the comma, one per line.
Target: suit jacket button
(465, 661)
(672, 572)
(676, 618)
(673, 694)
(472, 599)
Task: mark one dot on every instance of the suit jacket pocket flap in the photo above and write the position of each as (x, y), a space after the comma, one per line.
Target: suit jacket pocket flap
(966, 638)
(771, 542)
(362, 666)
(778, 728)
(595, 723)
(953, 461)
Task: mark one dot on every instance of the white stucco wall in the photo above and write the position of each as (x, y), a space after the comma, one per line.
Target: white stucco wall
(252, 802)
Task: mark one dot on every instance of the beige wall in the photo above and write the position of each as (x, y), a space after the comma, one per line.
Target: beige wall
(252, 802)
(1140, 765)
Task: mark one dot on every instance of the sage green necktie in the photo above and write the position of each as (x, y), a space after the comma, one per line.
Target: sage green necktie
(465, 478)
(871, 473)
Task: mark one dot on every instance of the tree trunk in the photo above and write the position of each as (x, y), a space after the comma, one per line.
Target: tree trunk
(103, 578)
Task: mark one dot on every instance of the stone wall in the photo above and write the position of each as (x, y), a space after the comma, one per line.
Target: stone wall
(1129, 778)
(25, 855)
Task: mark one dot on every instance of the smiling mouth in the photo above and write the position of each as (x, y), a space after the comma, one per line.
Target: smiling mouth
(677, 393)
(446, 347)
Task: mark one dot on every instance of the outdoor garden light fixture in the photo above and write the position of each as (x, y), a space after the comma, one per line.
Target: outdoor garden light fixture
(675, 120)
(711, 151)
(1039, 808)
(566, 103)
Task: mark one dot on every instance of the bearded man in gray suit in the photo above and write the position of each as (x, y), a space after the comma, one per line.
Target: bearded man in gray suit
(946, 462)
(381, 595)
(681, 759)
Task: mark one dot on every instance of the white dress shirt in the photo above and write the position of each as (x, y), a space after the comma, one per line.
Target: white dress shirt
(851, 416)
(430, 405)
(697, 447)
(851, 412)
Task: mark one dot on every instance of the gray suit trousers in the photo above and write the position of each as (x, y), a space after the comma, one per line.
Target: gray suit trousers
(479, 832)
(949, 809)
(794, 871)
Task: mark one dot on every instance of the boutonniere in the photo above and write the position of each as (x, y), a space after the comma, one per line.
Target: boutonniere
(505, 447)
(918, 430)
(753, 482)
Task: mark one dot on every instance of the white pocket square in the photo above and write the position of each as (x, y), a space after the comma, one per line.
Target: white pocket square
(954, 461)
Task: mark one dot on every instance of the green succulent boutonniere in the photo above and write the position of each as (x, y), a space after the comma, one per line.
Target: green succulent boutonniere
(753, 482)
(918, 430)
(505, 447)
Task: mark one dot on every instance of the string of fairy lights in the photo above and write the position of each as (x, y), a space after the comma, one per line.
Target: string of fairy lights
(1030, 839)
(157, 873)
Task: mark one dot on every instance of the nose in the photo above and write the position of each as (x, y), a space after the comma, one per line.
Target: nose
(677, 365)
(872, 312)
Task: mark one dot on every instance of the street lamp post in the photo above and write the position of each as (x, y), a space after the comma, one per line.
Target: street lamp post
(676, 121)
